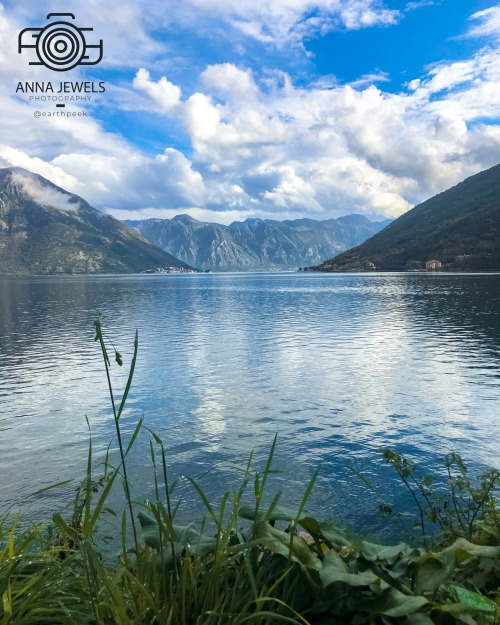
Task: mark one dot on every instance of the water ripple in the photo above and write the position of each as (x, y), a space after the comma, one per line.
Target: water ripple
(338, 365)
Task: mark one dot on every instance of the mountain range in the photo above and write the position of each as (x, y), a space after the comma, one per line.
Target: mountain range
(45, 230)
(256, 244)
(459, 228)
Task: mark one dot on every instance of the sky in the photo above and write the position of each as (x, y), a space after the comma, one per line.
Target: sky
(279, 109)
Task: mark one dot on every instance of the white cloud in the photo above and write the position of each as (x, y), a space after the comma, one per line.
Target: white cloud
(293, 192)
(281, 22)
(419, 4)
(471, 88)
(129, 180)
(284, 150)
(166, 95)
(202, 118)
(128, 28)
(445, 76)
(487, 23)
(44, 195)
(371, 79)
(262, 145)
(343, 148)
(229, 80)
(132, 181)
(10, 157)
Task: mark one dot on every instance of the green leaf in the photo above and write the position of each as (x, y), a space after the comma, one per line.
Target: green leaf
(384, 553)
(166, 558)
(463, 550)
(134, 435)
(280, 543)
(476, 602)
(334, 569)
(312, 526)
(418, 619)
(130, 376)
(359, 475)
(278, 513)
(42, 490)
(334, 534)
(205, 501)
(396, 604)
(432, 571)
(187, 537)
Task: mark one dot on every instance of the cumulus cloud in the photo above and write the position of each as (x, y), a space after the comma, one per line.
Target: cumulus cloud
(262, 145)
(165, 95)
(229, 80)
(293, 191)
(351, 146)
(285, 150)
(128, 181)
(10, 157)
(132, 180)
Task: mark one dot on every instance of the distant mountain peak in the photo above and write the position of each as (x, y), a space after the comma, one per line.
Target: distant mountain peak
(185, 218)
(355, 218)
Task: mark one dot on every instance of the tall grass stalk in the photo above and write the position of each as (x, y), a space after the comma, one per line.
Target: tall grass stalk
(99, 337)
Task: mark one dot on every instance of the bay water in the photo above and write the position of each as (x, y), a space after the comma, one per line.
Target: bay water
(338, 365)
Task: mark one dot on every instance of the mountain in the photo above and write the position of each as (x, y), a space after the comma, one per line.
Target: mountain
(256, 244)
(460, 228)
(45, 230)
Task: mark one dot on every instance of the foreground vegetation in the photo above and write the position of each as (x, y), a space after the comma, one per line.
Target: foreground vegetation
(254, 562)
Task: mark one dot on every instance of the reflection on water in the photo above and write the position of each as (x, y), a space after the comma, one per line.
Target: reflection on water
(338, 365)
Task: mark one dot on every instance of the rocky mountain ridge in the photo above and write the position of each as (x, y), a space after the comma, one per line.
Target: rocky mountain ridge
(46, 230)
(256, 244)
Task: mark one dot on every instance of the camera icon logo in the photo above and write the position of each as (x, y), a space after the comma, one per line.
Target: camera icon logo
(60, 46)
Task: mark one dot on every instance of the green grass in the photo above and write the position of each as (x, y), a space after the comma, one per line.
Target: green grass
(252, 563)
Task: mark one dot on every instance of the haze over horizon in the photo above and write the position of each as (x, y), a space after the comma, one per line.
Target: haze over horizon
(277, 110)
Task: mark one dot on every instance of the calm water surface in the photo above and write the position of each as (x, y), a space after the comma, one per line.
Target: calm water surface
(337, 365)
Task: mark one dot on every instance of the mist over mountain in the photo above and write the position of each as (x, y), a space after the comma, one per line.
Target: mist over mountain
(45, 230)
(256, 244)
(459, 228)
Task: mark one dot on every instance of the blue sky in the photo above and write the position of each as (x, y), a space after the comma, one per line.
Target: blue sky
(278, 108)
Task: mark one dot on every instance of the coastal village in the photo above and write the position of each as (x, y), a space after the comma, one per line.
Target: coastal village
(330, 266)
(174, 270)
